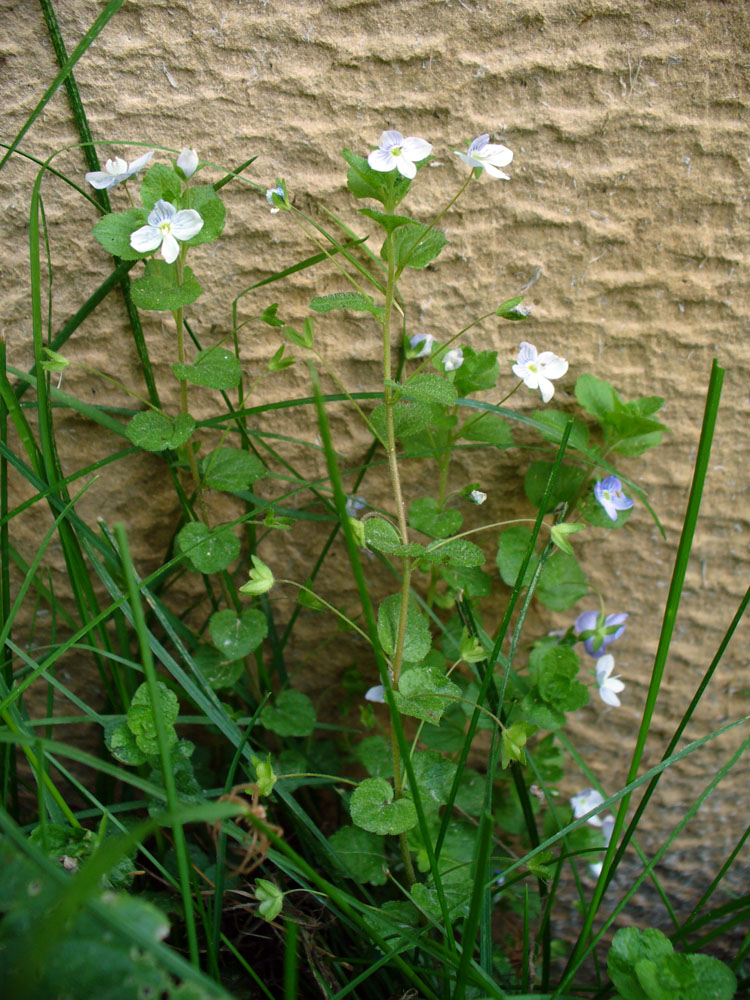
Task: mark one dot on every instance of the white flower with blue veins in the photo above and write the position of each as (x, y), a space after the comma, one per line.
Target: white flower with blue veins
(396, 153)
(609, 687)
(453, 360)
(536, 370)
(488, 156)
(166, 228)
(115, 171)
(187, 161)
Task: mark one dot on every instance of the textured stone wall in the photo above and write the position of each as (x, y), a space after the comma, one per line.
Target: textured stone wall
(625, 220)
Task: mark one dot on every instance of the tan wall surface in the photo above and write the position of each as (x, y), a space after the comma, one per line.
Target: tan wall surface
(626, 209)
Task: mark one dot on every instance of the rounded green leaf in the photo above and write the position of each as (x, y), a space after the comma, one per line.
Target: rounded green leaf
(218, 671)
(160, 182)
(154, 431)
(215, 368)
(360, 854)
(373, 808)
(141, 722)
(232, 470)
(158, 288)
(205, 201)
(425, 516)
(292, 715)
(208, 551)
(114, 231)
(417, 640)
(237, 635)
(121, 744)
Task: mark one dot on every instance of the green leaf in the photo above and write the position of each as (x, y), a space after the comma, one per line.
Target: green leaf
(304, 339)
(216, 669)
(292, 715)
(160, 181)
(141, 722)
(383, 536)
(409, 418)
(554, 671)
(208, 551)
(510, 309)
(376, 756)
(237, 635)
(455, 552)
(361, 854)
(479, 370)
(569, 481)
(556, 421)
(427, 388)
(154, 431)
(425, 516)
(231, 470)
(158, 288)
(364, 182)
(373, 808)
(120, 742)
(415, 246)
(270, 897)
(488, 429)
(114, 231)
(434, 774)
(425, 693)
(417, 640)
(595, 395)
(539, 713)
(215, 368)
(513, 743)
(562, 582)
(345, 300)
(388, 222)
(205, 201)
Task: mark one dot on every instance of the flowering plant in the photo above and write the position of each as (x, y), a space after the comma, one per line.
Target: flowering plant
(409, 847)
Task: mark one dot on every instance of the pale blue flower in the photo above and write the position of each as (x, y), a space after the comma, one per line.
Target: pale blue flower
(115, 171)
(598, 632)
(609, 494)
(453, 360)
(488, 156)
(422, 344)
(166, 226)
(396, 153)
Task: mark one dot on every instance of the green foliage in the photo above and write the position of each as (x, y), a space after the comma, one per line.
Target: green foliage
(235, 636)
(160, 289)
(417, 638)
(415, 245)
(374, 808)
(352, 301)
(567, 485)
(643, 965)
(361, 854)
(388, 222)
(427, 388)
(628, 427)
(488, 429)
(160, 181)
(425, 693)
(409, 418)
(561, 582)
(215, 368)
(382, 536)
(154, 431)
(217, 670)
(208, 551)
(141, 722)
(292, 714)
(426, 516)
(115, 229)
(364, 182)
(232, 470)
(458, 553)
(210, 207)
(479, 370)
(270, 897)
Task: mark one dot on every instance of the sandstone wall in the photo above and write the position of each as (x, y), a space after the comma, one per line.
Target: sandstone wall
(625, 219)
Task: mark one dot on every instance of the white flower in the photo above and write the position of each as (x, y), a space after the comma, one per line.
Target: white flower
(477, 497)
(595, 869)
(609, 687)
(396, 152)
(608, 825)
(536, 371)
(165, 227)
(116, 170)
(584, 802)
(187, 161)
(376, 694)
(453, 360)
(426, 340)
(488, 155)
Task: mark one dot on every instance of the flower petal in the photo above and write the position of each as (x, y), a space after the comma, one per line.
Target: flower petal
(140, 163)
(494, 172)
(187, 224)
(498, 155)
(163, 211)
(609, 697)
(406, 168)
(586, 621)
(381, 160)
(146, 239)
(99, 179)
(604, 667)
(416, 149)
(552, 365)
(389, 139)
(170, 248)
(546, 387)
